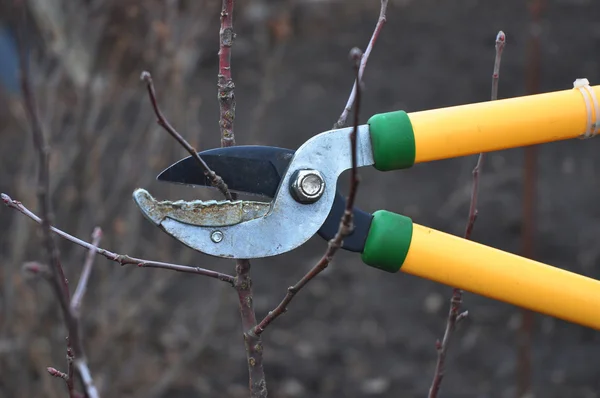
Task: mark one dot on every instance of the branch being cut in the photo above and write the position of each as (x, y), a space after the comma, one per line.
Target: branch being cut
(454, 314)
(243, 281)
(346, 223)
(363, 64)
(122, 259)
(215, 179)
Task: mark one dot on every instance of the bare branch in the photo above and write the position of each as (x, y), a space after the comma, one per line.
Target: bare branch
(252, 342)
(454, 314)
(500, 43)
(58, 280)
(215, 179)
(363, 64)
(86, 378)
(70, 370)
(225, 83)
(346, 223)
(85, 274)
(243, 281)
(119, 258)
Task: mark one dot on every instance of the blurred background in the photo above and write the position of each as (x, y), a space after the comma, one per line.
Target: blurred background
(354, 331)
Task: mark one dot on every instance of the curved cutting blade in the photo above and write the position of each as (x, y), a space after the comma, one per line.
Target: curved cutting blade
(251, 169)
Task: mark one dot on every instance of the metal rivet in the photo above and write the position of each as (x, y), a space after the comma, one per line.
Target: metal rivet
(216, 236)
(307, 186)
(311, 184)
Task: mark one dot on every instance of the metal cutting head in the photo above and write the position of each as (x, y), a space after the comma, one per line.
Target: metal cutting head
(249, 229)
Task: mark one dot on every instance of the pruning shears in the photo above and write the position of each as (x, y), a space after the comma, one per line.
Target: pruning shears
(304, 198)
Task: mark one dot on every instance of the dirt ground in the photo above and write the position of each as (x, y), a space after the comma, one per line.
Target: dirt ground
(357, 331)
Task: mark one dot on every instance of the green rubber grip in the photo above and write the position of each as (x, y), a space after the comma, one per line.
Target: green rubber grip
(388, 241)
(393, 140)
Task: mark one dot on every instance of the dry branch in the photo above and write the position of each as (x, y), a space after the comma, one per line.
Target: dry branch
(243, 281)
(363, 64)
(454, 314)
(225, 83)
(252, 342)
(122, 259)
(85, 274)
(58, 280)
(215, 179)
(346, 223)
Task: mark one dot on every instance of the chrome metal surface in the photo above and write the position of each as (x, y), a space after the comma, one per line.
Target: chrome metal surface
(307, 186)
(287, 224)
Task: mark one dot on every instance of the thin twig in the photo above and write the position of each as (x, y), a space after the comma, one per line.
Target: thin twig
(346, 223)
(58, 280)
(122, 259)
(363, 64)
(454, 314)
(85, 274)
(86, 377)
(500, 43)
(215, 179)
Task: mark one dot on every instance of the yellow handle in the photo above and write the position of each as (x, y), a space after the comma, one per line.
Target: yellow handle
(494, 125)
(503, 276)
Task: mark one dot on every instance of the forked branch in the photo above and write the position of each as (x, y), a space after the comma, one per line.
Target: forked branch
(346, 223)
(243, 282)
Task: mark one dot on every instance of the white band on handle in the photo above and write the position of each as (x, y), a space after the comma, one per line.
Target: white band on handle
(589, 96)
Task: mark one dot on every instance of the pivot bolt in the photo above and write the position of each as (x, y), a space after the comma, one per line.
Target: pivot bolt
(307, 186)
(216, 236)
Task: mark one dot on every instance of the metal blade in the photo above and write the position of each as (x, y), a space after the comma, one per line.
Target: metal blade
(251, 169)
